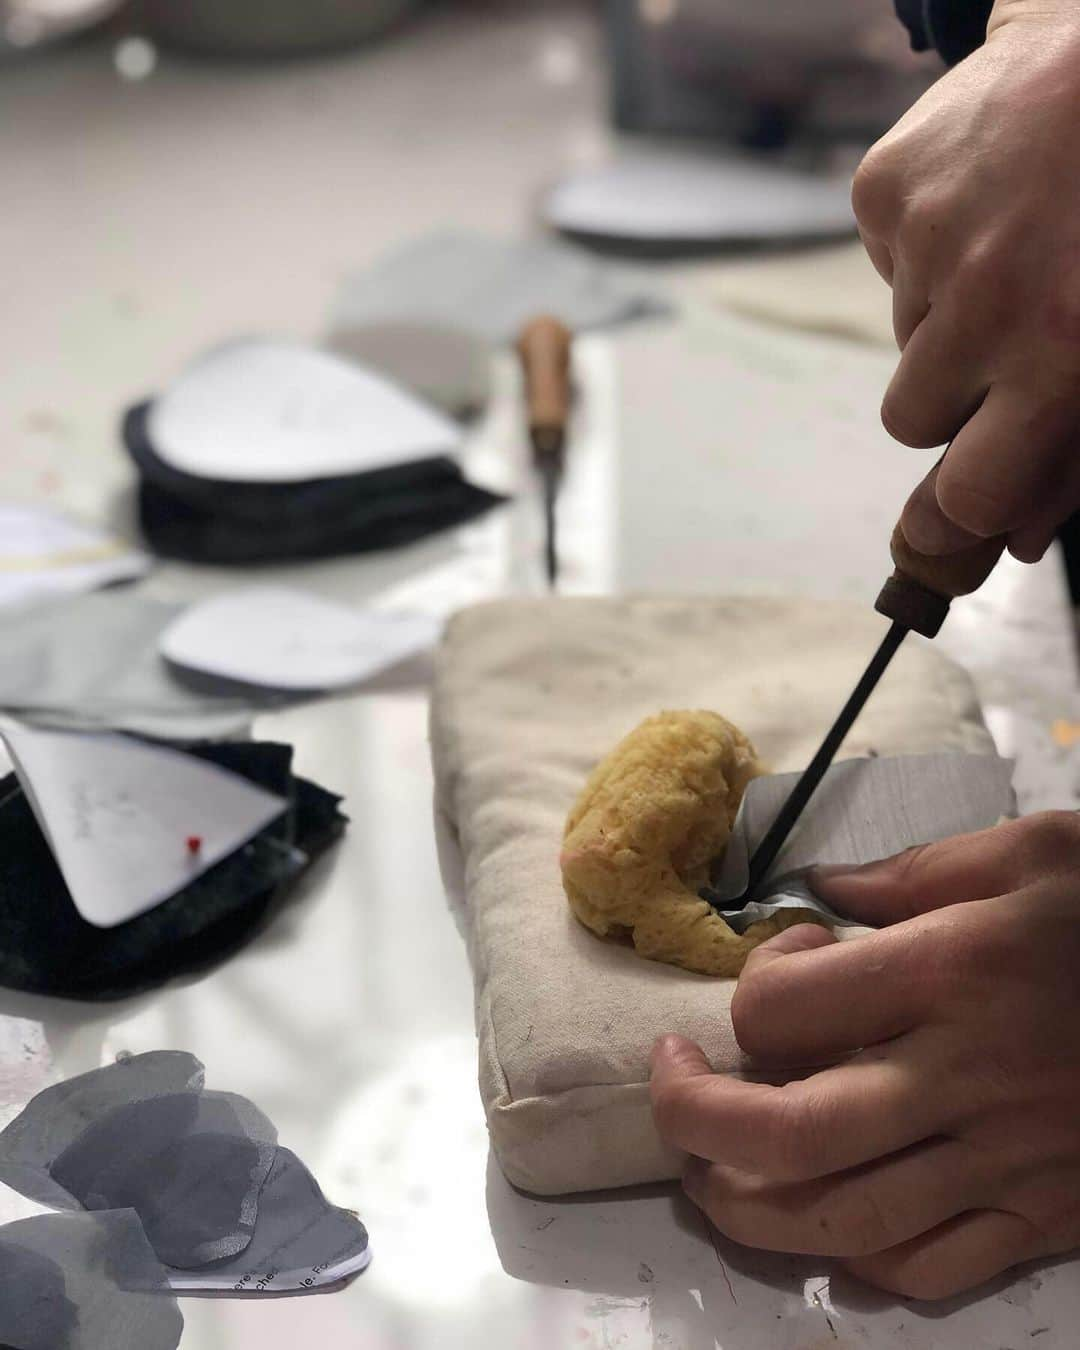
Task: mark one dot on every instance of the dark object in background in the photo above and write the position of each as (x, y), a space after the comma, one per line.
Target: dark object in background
(209, 520)
(46, 947)
(269, 27)
(953, 28)
(763, 77)
(1069, 534)
(29, 25)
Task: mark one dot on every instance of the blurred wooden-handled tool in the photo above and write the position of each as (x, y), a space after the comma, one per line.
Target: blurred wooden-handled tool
(544, 349)
(916, 598)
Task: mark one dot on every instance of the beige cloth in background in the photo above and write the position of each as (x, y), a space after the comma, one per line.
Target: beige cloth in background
(822, 290)
(529, 695)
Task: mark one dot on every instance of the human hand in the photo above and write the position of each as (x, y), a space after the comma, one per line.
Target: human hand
(942, 1144)
(970, 209)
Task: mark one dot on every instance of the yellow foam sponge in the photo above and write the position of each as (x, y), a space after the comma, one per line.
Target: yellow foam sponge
(639, 841)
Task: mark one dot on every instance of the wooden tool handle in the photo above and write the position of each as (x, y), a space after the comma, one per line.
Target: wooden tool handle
(919, 592)
(544, 348)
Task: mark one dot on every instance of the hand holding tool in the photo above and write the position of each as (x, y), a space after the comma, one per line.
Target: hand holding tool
(916, 598)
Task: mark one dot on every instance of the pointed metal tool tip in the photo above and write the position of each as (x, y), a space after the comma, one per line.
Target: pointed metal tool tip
(777, 835)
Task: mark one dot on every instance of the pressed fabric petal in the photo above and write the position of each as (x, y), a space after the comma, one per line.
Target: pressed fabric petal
(298, 1236)
(190, 1164)
(53, 1120)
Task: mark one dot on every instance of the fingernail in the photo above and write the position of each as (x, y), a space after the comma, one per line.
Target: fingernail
(664, 1045)
(928, 531)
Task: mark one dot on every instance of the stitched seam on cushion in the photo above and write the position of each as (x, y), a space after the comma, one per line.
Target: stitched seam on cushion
(566, 1092)
(505, 1097)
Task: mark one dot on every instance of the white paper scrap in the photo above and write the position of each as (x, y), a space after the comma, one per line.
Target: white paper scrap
(131, 823)
(280, 638)
(44, 553)
(277, 412)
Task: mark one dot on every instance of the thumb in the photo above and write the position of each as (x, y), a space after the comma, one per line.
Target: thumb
(675, 1057)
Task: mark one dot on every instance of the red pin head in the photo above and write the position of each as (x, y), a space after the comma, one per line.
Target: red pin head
(194, 844)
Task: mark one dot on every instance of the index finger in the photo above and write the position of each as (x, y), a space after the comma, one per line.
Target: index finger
(812, 1006)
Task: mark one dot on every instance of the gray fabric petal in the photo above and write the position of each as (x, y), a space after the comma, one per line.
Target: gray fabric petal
(84, 1282)
(491, 287)
(298, 1234)
(190, 1164)
(93, 661)
(56, 1117)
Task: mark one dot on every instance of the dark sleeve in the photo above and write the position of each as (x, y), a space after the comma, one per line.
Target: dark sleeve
(952, 27)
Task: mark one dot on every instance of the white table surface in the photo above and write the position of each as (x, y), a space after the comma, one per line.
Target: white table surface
(141, 222)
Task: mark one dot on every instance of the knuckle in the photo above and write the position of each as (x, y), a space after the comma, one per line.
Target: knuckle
(923, 1281)
(749, 1010)
(872, 191)
(799, 1135)
(942, 957)
(977, 275)
(668, 1107)
(975, 509)
(909, 867)
(952, 960)
(919, 230)
(863, 1227)
(1052, 836)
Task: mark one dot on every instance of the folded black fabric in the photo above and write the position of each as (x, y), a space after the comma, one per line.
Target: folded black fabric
(46, 947)
(225, 521)
(954, 28)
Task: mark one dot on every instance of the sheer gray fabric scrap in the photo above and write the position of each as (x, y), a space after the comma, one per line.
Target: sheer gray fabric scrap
(219, 1205)
(92, 662)
(84, 1282)
(491, 287)
(53, 1120)
(191, 1165)
(33, 1183)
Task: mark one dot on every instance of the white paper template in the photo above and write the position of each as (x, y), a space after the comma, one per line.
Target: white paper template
(699, 198)
(257, 411)
(281, 638)
(130, 823)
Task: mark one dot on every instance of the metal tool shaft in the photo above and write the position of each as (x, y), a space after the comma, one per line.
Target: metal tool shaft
(550, 473)
(766, 852)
